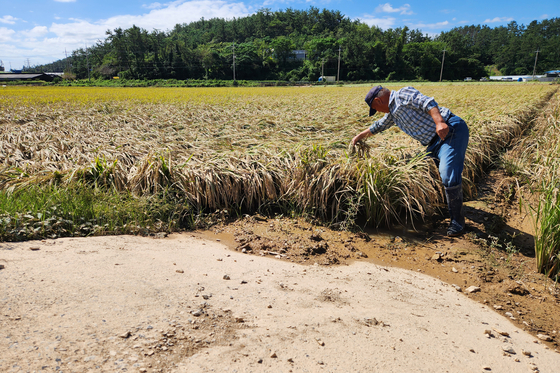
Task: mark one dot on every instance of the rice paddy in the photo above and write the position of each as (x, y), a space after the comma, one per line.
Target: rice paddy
(242, 147)
(238, 150)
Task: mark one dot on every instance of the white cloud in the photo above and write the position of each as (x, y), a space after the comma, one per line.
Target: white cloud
(36, 32)
(437, 25)
(180, 11)
(9, 20)
(46, 44)
(152, 6)
(6, 35)
(387, 8)
(382, 23)
(286, 3)
(498, 20)
(544, 16)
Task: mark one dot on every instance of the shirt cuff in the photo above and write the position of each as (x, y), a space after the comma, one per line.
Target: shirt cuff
(430, 105)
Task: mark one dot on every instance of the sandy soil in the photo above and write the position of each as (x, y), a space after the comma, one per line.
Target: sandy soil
(189, 305)
(282, 295)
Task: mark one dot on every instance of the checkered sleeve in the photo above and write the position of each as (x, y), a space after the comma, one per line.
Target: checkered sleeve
(382, 124)
(412, 97)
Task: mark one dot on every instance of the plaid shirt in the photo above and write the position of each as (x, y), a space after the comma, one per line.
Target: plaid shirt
(408, 110)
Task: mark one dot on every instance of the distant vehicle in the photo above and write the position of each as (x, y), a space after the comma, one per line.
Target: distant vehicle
(507, 79)
(484, 79)
(468, 79)
(327, 78)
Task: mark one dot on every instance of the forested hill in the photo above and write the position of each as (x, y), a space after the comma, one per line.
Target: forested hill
(264, 43)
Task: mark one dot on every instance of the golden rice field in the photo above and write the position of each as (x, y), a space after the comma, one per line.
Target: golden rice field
(245, 148)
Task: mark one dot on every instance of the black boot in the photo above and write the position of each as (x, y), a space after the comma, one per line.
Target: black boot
(455, 204)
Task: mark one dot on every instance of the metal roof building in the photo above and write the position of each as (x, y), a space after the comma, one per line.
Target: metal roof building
(25, 76)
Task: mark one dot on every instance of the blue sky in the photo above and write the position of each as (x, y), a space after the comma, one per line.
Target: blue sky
(41, 31)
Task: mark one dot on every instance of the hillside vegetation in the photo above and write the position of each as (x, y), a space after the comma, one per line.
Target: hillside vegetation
(263, 45)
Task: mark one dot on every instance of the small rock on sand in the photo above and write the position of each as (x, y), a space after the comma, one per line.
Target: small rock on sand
(508, 349)
(472, 289)
(544, 337)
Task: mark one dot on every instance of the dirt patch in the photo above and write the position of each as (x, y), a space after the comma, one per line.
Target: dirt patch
(287, 295)
(496, 254)
(183, 304)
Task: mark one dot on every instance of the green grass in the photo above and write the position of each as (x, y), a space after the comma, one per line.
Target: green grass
(52, 211)
(547, 227)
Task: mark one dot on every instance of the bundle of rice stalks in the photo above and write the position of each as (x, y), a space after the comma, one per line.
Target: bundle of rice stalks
(394, 186)
(153, 174)
(266, 147)
(242, 184)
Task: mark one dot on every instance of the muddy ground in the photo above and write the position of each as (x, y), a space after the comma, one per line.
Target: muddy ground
(496, 254)
(286, 295)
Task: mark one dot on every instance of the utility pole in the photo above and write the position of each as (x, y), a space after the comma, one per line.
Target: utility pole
(338, 72)
(87, 62)
(535, 66)
(66, 67)
(441, 72)
(323, 68)
(233, 61)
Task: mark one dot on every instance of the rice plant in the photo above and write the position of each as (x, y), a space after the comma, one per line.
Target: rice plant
(245, 148)
(547, 232)
(536, 160)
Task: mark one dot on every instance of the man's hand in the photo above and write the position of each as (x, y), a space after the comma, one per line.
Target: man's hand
(360, 136)
(442, 129)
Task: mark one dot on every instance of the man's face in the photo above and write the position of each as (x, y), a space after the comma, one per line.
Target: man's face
(381, 104)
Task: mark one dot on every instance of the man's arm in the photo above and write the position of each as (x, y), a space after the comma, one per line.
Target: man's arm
(442, 129)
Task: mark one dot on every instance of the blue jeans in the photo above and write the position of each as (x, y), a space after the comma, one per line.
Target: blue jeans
(449, 154)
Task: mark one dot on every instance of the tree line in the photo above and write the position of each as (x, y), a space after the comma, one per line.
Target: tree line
(261, 47)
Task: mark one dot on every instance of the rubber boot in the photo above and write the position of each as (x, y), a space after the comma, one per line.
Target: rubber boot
(454, 197)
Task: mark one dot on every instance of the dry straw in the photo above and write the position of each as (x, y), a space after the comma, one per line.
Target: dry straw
(245, 149)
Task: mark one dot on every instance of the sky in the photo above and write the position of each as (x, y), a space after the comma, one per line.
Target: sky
(36, 32)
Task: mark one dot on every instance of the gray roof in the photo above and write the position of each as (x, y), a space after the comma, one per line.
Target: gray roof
(8, 76)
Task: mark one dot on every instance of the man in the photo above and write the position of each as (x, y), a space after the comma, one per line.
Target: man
(445, 135)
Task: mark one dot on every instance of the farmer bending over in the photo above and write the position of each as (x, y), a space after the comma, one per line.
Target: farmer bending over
(445, 135)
